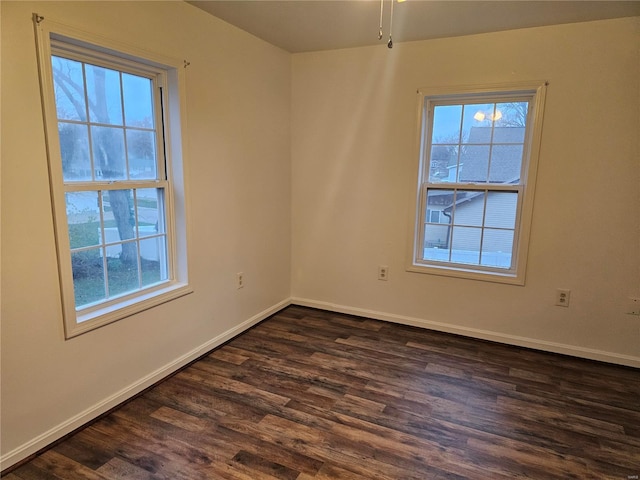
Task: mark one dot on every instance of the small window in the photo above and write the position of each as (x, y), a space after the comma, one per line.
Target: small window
(112, 178)
(478, 157)
(433, 216)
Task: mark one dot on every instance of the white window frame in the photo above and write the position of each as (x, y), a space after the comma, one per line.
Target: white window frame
(428, 97)
(54, 38)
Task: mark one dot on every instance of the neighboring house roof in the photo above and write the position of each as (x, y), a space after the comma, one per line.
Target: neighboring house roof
(500, 135)
(497, 160)
(505, 153)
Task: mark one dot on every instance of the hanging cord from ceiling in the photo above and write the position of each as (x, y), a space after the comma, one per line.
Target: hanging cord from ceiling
(381, 9)
(390, 42)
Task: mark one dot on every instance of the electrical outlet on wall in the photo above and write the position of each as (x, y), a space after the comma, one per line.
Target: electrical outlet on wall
(562, 297)
(633, 307)
(383, 272)
(239, 280)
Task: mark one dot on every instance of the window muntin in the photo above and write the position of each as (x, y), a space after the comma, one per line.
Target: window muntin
(116, 174)
(479, 227)
(107, 127)
(475, 165)
(104, 264)
(106, 122)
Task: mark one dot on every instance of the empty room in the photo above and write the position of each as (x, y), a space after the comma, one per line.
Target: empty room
(320, 239)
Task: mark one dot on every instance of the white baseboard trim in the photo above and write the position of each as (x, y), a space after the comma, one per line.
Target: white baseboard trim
(59, 431)
(574, 351)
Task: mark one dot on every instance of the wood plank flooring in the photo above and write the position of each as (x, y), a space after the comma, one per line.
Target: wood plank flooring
(309, 394)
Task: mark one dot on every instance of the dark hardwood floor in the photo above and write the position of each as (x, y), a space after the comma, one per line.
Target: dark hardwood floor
(309, 394)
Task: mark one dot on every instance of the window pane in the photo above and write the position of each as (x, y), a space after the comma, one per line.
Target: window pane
(474, 163)
(436, 236)
(469, 209)
(446, 124)
(496, 248)
(501, 210)
(105, 100)
(68, 84)
(119, 220)
(444, 161)
(512, 114)
(441, 200)
(508, 134)
(476, 126)
(122, 273)
(506, 162)
(153, 253)
(74, 150)
(88, 276)
(138, 101)
(83, 218)
(436, 242)
(466, 245)
(141, 150)
(108, 153)
(149, 210)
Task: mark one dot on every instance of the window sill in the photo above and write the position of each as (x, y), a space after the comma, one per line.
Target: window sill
(468, 273)
(99, 317)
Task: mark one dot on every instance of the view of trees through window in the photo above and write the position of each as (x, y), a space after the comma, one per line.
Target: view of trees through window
(114, 204)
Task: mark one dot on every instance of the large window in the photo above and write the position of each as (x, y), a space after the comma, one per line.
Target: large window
(113, 177)
(478, 156)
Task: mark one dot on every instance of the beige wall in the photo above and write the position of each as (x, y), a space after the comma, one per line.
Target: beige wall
(353, 160)
(238, 160)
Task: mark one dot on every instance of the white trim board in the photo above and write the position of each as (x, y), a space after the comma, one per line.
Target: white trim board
(553, 347)
(47, 438)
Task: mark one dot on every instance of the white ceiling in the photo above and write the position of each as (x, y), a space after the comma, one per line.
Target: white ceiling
(310, 25)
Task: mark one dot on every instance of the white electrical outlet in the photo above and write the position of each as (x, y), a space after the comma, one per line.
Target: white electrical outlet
(562, 297)
(239, 280)
(633, 307)
(383, 272)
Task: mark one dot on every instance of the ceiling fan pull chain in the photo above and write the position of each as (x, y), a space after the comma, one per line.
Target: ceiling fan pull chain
(380, 31)
(390, 42)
